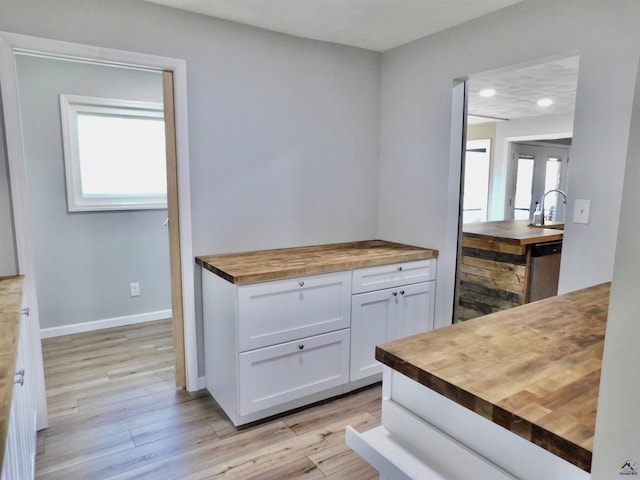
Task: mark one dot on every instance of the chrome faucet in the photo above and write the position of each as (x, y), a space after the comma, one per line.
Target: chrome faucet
(564, 199)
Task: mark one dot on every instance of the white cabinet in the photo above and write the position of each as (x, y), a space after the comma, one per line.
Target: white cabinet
(426, 436)
(20, 449)
(382, 315)
(276, 345)
(274, 375)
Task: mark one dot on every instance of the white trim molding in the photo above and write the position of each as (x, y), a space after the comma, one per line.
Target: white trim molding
(94, 325)
(10, 43)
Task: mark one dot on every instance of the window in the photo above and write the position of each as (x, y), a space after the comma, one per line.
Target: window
(524, 187)
(477, 162)
(114, 153)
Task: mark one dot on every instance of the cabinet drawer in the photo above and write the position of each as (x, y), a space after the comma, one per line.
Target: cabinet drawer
(393, 275)
(275, 375)
(276, 312)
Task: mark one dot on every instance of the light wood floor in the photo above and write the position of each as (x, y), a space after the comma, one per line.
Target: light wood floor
(115, 414)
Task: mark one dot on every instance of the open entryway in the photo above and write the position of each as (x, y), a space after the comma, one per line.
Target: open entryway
(99, 265)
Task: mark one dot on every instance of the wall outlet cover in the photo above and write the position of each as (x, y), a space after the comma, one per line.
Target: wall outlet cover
(581, 211)
(135, 289)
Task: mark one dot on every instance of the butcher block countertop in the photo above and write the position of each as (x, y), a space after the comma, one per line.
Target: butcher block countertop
(11, 291)
(263, 265)
(517, 232)
(533, 369)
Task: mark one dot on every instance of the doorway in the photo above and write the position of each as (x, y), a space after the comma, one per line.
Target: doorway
(523, 115)
(94, 140)
(177, 151)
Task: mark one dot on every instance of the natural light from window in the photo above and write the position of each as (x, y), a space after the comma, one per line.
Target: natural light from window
(114, 154)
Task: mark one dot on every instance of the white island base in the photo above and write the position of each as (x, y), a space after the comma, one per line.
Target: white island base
(425, 436)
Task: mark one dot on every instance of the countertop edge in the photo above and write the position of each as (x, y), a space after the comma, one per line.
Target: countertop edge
(554, 443)
(559, 235)
(290, 271)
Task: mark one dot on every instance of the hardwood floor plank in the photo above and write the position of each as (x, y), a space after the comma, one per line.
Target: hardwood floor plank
(114, 413)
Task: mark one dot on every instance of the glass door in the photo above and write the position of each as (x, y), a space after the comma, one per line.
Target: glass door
(536, 169)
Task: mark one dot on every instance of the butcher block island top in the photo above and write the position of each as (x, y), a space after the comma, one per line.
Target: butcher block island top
(533, 369)
(264, 265)
(11, 291)
(517, 232)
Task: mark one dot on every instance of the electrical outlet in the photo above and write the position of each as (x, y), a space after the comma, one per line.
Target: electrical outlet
(135, 289)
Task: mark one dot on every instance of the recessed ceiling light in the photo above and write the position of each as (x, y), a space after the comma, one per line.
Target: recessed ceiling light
(487, 92)
(545, 102)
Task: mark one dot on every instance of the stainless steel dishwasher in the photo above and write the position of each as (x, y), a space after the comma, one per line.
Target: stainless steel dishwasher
(545, 270)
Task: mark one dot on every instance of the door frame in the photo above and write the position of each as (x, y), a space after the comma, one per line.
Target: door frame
(9, 44)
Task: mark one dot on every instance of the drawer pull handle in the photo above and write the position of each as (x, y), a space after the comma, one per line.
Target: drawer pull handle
(19, 381)
(395, 294)
(25, 311)
(300, 346)
(301, 283)
(399, 269)
(401, 292)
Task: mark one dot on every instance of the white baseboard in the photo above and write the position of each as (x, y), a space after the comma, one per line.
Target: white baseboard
(105, 323)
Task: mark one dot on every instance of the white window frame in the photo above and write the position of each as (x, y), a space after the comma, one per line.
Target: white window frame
(70, 107)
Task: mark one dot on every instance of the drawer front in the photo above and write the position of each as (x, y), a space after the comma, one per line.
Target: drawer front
(275, 375)
(393, 275)
(275, 312)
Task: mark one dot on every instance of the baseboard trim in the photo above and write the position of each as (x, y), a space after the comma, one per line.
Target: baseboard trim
(105, 323)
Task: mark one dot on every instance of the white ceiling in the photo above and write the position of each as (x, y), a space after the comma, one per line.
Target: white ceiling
(372, 24)
(380, 25)
(519, 89)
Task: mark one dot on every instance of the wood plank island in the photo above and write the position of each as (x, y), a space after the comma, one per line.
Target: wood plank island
(533, 370)
(500, 267)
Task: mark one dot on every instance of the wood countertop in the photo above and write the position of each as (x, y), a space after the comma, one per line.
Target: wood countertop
(11, 293)
(263, 265)
(533, 369)
(517, 232)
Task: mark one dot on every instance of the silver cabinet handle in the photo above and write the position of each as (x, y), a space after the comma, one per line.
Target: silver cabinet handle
(19, 381)
(301, 283)
(399, 269)
(26, 311)
(395, 294)
(166, 222)
(300, 347)
(401, 292)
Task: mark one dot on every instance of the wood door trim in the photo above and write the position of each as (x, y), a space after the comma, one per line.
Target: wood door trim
(174, 228)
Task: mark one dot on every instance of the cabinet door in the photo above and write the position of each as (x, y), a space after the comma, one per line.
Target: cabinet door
(280, 311)
(19, 457)
(275, 375)
(415, 309)
(373, 316)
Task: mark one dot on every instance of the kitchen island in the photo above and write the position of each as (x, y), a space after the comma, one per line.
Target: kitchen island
(514, 393)
(287, 327)
(500, 267)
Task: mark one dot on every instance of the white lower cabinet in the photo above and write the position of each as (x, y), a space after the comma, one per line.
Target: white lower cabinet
(277, 345)
(383, 315)
(275, 375)
(20, 449)
(426, 436)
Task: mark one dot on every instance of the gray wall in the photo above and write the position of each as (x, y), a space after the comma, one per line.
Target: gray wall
(283, 132)
(85, 261)
(8, 259)
(418, 198)
(618, 418)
